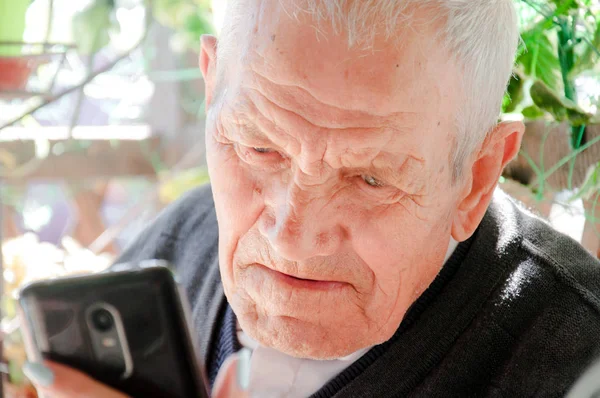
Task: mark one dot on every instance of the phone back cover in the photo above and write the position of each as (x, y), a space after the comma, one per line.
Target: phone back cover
(155, 328)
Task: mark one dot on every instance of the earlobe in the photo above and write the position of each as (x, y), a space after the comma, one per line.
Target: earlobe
(501, 146)
(208, 63)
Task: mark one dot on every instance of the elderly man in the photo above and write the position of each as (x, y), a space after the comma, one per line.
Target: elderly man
(351, 146)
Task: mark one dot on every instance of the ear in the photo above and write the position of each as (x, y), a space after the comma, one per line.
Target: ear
(500, 147)
(208, 65)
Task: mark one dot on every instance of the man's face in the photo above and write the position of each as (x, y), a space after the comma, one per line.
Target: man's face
(331, 175)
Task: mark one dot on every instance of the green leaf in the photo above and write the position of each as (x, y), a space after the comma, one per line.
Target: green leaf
(515, 92)
(564, 7)
(198, 24)
(195, 25)
(533, 112)
(561, 108)
(540, 60)
(507, 104)
(92, 25)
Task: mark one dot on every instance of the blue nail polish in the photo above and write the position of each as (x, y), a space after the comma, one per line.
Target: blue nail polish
(38, 374)
(243, 369)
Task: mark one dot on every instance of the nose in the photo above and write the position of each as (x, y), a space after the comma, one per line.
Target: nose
(301, 225)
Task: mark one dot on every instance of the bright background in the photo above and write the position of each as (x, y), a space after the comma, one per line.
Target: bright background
(101, 126)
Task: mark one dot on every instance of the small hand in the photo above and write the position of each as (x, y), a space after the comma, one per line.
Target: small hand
(59, 381)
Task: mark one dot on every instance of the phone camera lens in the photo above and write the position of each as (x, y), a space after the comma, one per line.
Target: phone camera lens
(102, 320)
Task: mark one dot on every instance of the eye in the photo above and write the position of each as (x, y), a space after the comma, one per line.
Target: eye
(372, 181)
(262, 150)
(264, 157)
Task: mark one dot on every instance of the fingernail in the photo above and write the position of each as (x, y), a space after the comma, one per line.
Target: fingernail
(243, 369)
(38, 374)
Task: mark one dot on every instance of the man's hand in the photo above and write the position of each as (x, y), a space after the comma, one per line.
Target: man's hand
(59, 381)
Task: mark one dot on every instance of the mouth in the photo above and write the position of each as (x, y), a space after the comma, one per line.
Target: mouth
(300, 283)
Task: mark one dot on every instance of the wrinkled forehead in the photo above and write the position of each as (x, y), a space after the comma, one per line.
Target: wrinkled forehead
(279, 42)
(313, 69)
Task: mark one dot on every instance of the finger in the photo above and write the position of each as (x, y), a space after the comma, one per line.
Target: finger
(38, 374)
(233, 378)
(69, 382)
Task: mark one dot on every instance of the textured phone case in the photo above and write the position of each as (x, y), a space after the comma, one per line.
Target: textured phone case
(154, 322)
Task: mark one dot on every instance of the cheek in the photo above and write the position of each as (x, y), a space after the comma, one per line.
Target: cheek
(238, 202)
(404, 253)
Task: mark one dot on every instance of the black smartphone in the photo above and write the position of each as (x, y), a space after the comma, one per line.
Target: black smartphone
(128, 328)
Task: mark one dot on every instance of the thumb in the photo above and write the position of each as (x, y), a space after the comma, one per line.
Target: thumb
(234, 376)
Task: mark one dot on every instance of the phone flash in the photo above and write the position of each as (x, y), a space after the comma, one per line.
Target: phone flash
(109, 342)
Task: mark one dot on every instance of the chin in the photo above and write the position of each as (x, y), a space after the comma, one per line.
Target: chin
(302, 339)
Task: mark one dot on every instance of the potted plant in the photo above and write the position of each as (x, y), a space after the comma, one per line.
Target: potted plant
(561, 146)
(14, 69)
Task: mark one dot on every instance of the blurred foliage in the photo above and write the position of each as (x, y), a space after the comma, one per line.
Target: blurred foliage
(539, 59)
(12, 25)
(189, 18)
(25, 260)
(560, 41)
(174, 186)
(91, 26)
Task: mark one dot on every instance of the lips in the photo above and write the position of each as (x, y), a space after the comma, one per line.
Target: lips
(298, 282)
(295, 276)
(302, 279)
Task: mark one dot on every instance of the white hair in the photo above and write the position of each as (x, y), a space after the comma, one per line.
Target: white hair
(481, 35)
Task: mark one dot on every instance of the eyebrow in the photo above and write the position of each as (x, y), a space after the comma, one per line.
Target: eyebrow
(250, 131)
(412, 166)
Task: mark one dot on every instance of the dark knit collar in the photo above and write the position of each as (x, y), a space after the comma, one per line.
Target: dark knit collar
(227, 343)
